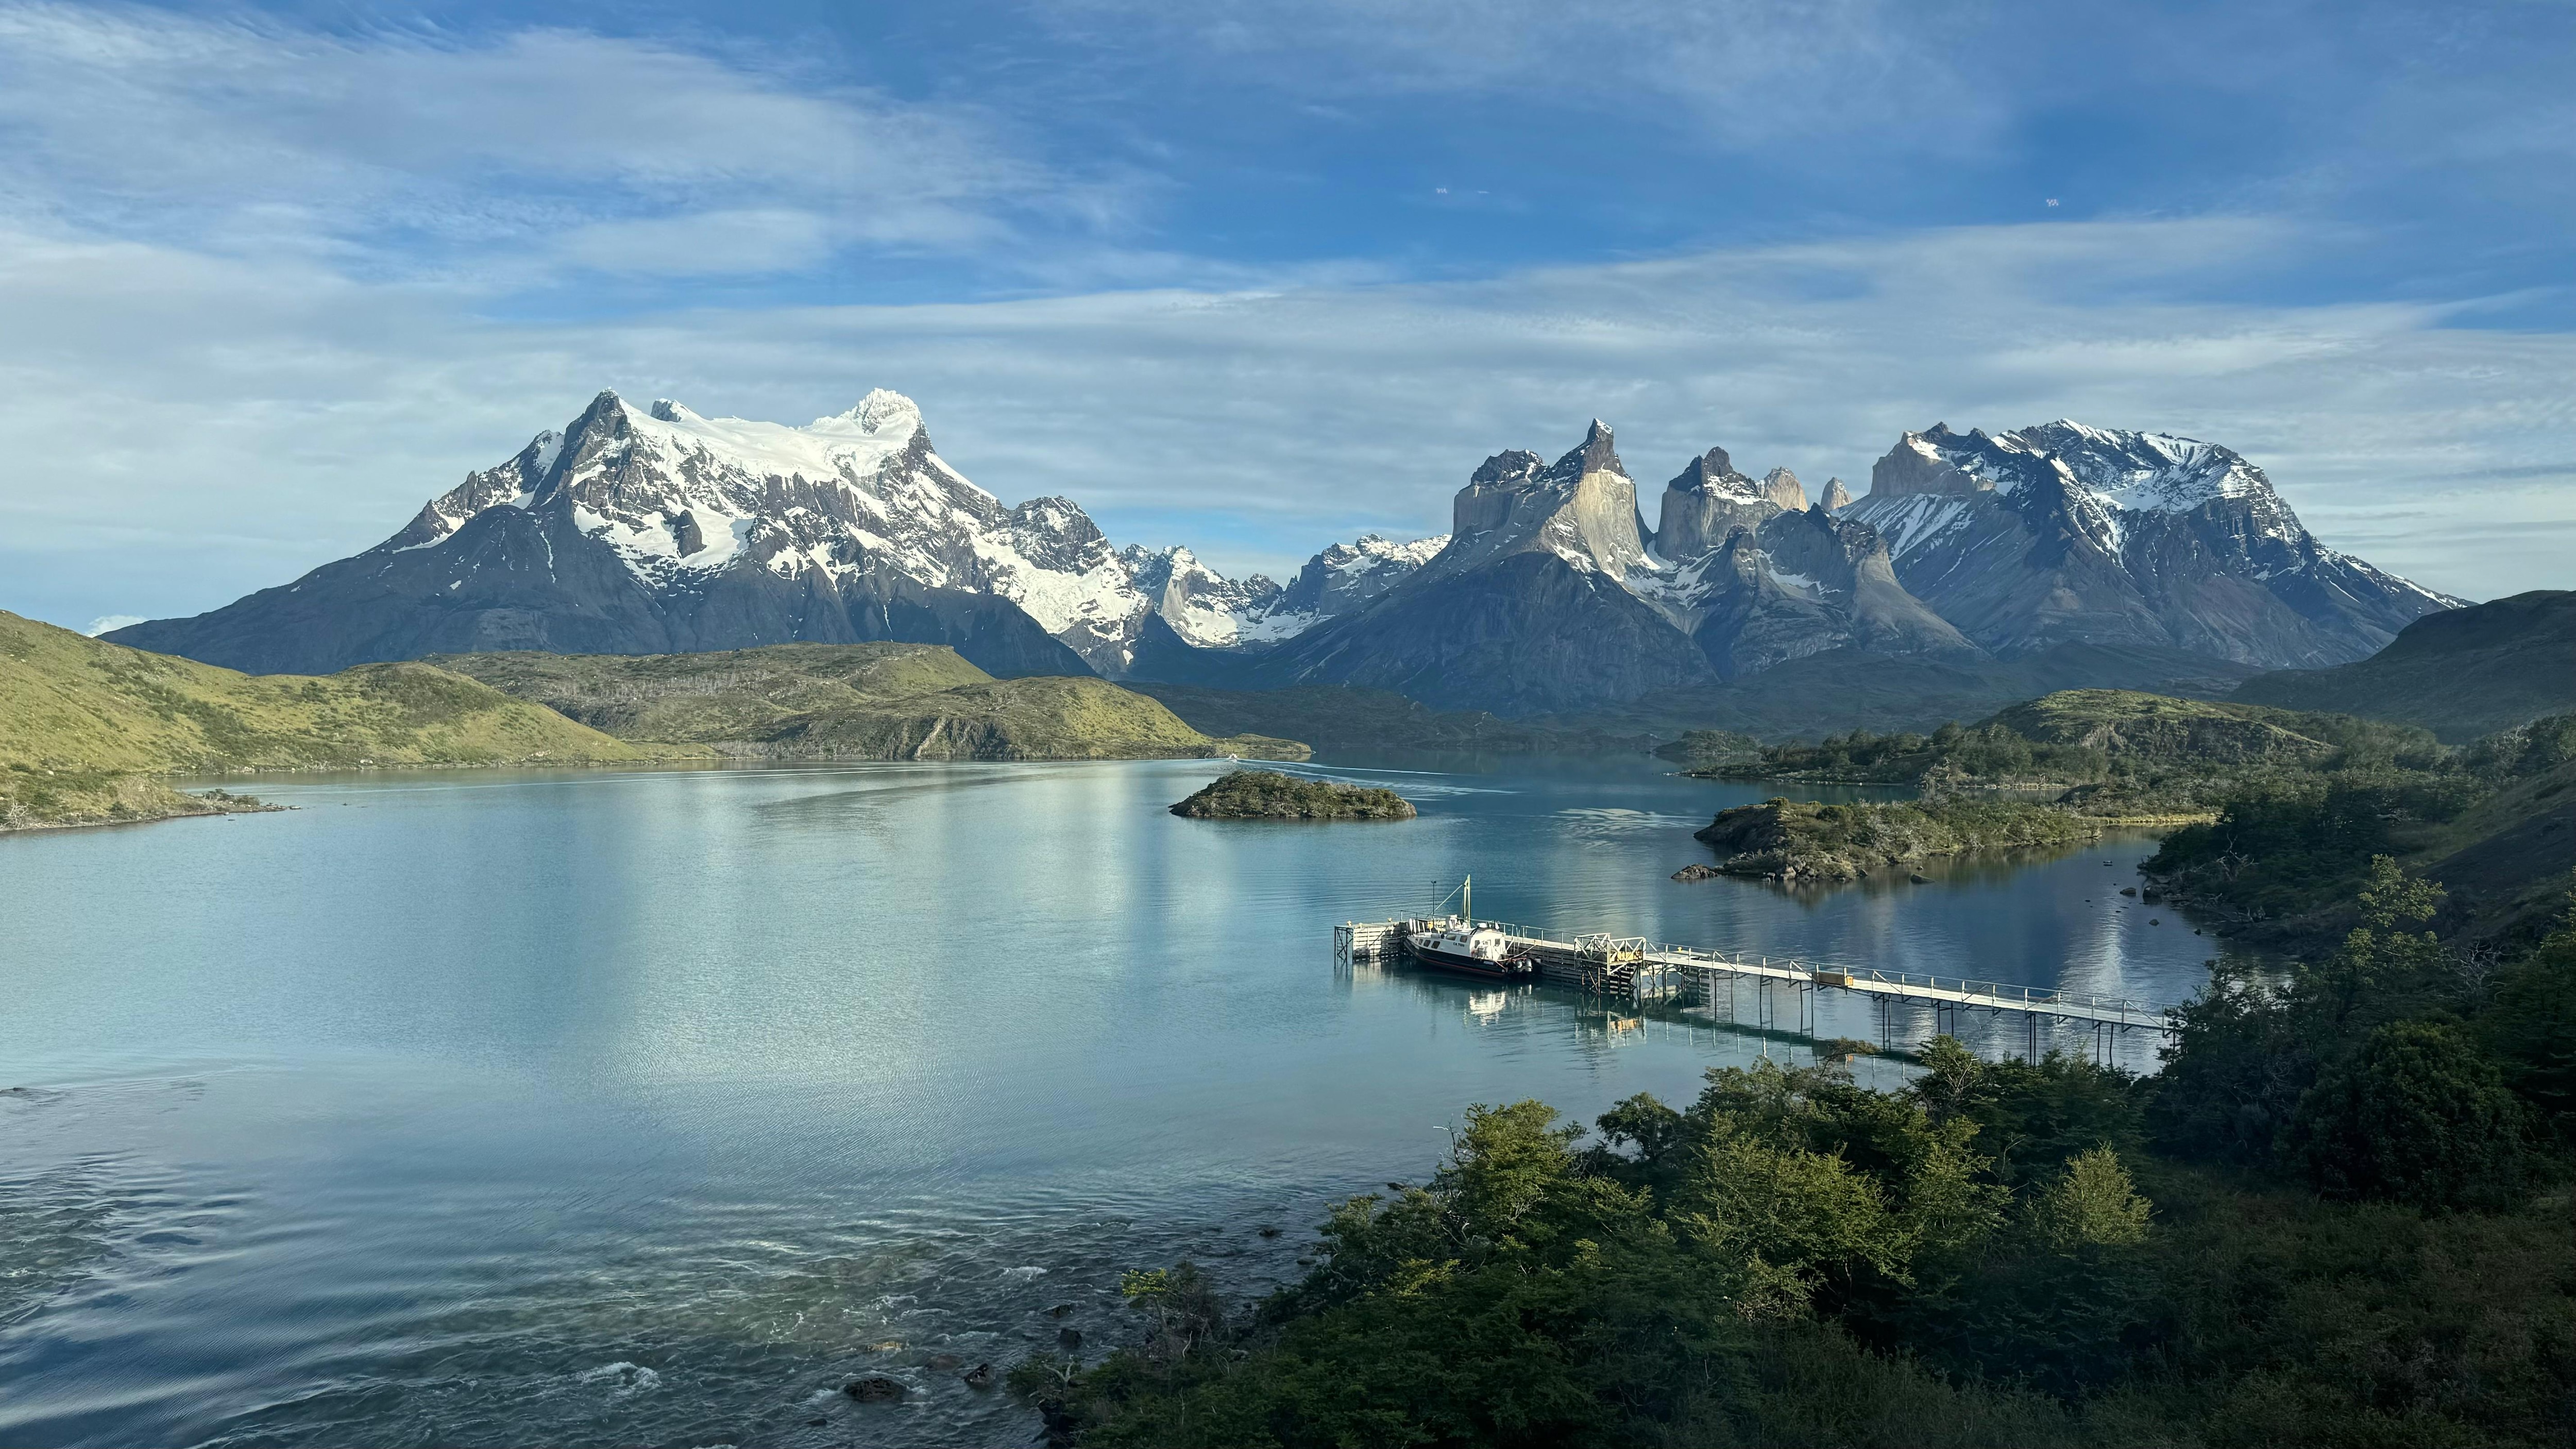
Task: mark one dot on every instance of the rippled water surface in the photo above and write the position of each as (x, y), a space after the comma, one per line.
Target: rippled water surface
(473, 1108)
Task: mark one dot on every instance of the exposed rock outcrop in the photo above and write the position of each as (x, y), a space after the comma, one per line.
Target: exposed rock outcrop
(1707, 501)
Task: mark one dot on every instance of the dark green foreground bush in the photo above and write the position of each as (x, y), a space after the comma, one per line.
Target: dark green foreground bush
(2335, 1219)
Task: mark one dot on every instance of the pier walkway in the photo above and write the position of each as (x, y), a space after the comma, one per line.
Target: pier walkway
(1630, 969)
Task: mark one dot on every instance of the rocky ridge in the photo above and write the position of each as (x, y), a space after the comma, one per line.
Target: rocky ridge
(2064, 532)
(657, 530)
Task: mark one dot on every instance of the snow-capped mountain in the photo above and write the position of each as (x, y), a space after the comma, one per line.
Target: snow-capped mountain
(652, 530)
(1347, 577)
(643, 529)
(1532, 605)
(2064, 532)
(1795, 583)
(1708, 500)
(1548, 596)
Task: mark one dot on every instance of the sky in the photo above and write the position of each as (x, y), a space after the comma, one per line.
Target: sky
(1257, 277)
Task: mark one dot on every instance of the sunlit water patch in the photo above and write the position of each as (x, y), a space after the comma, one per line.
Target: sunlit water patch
(655, 1107)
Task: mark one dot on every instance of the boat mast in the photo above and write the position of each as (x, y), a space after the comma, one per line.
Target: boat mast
(1468, 905)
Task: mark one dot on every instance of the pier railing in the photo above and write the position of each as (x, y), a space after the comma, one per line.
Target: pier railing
(1601, 959)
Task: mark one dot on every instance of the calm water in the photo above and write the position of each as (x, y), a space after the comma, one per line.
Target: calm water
(488, 1109)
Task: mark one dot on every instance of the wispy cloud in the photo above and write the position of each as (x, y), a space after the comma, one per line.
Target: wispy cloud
(263, 286)
(411, 152)
(206, 427)
(1744, 72)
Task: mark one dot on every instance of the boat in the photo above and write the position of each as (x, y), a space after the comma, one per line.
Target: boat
(1459, 944)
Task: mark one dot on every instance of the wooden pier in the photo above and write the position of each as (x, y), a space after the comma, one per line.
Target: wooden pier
(1629, 969)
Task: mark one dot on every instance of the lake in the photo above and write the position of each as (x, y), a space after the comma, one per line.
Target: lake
(500, 1108)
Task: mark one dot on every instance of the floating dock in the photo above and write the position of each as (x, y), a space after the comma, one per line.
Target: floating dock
(1631, 970)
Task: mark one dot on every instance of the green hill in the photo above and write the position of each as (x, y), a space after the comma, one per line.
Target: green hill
(2137, 752)
(1844, 689)
(1347, 717)
(2494, 823)
(87, 726)
(2461, 673)
(2126, 724)
(853, 702)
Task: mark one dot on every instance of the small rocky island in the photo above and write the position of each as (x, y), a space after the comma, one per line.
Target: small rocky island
(1269, 795)
(1804, 842)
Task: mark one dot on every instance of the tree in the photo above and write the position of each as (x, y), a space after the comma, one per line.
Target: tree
(2419, 1115)
(2533, 1022)
(1951, 1077)
(2092, 1204)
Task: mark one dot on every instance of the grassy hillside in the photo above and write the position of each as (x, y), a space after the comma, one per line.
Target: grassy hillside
(2462, 673)
(2126, 724)
(2121, 752)
(1344, 717)
(85, 726)
(853, 702)
(1841, 690)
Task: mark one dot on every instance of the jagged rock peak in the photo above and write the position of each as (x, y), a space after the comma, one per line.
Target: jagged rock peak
(1713, 472)
(1836, 497)
(881, 411)
(1582, 507)
(2114, 468)
(1594, 455)
(1707, 501)
(1346, 576)
(1930, 461)
(1783, 489)
(1510, 465)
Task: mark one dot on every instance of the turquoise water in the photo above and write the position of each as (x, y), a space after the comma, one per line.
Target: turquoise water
(476, 1108)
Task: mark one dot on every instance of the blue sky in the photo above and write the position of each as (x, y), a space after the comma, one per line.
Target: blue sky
(1254, 277)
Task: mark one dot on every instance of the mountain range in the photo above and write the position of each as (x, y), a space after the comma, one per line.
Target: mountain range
(655, 530)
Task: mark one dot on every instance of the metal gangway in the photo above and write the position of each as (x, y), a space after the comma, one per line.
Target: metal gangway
(1644, 972)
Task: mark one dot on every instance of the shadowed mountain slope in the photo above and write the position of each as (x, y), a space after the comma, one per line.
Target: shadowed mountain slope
(2462, 674)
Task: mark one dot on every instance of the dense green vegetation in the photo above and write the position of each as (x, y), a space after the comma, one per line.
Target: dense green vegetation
(853, 702)
(1804, 842)
(86, 727)
(2338, 1217)
(1703, 749)
(2279, 811)
(1269, 795)
(2113, 752)
(1845, 689)
(2491, 822)
(2462, 673)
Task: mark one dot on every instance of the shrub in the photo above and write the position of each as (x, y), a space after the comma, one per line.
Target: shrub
(2419, 1115)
